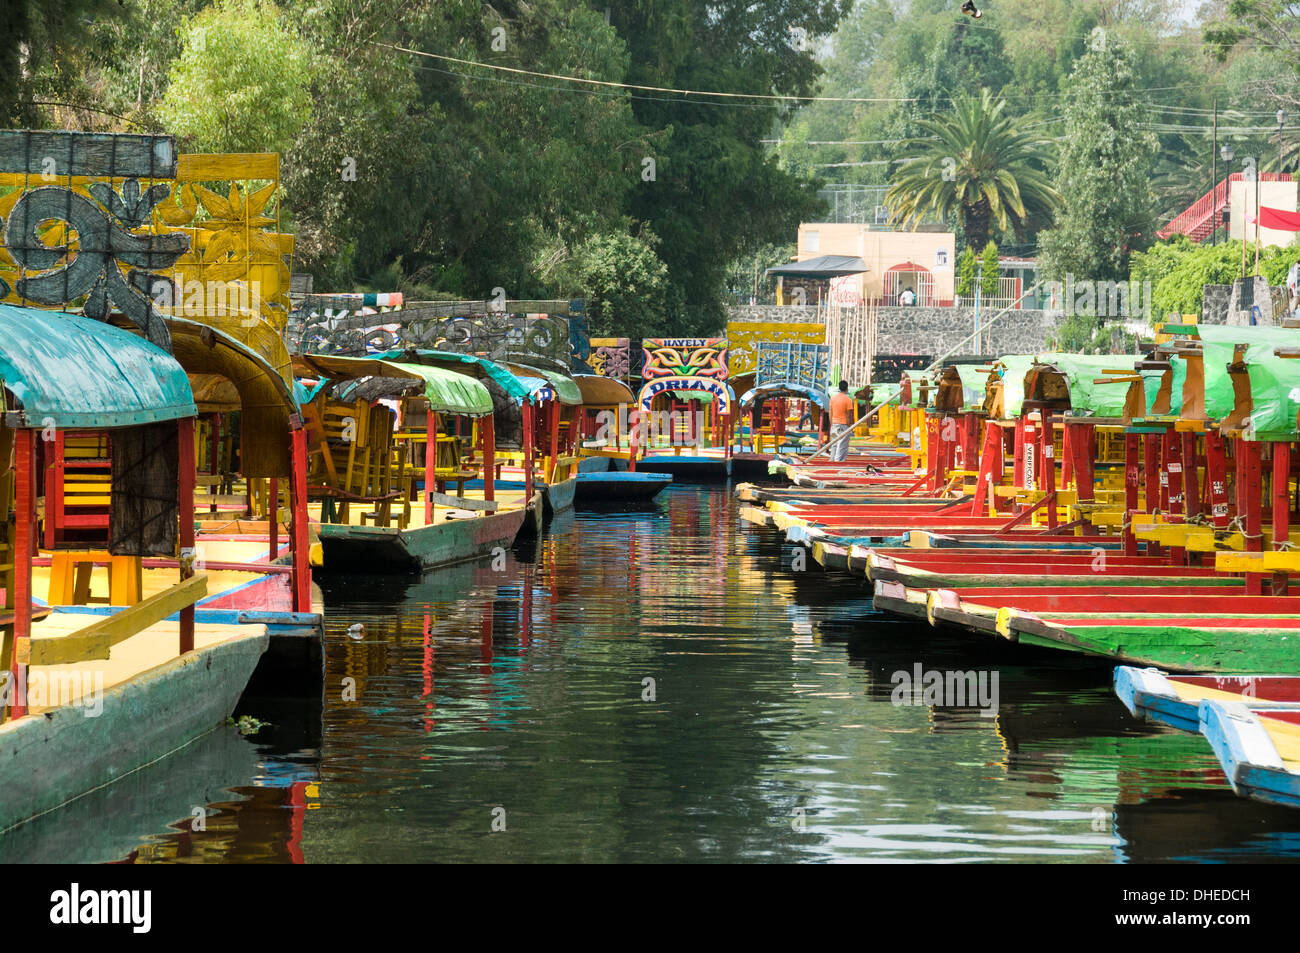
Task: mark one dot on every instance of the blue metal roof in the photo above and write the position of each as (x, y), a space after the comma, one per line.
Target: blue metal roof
(69, 371)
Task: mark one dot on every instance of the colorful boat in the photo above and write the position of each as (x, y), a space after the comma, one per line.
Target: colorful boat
(615, 488)
(367, 458)
(90, 696)
(1175, 699)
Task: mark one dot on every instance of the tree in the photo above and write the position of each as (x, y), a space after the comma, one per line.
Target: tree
(36, 38)
(966, 268)
(976, 162)
(241, 83)
(711, 192)
(990, 273)
(1104, 173)
(624, 283)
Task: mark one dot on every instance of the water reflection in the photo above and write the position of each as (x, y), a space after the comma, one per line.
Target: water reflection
(659, 686)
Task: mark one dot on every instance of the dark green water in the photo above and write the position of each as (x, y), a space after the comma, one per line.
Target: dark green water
(518, 698)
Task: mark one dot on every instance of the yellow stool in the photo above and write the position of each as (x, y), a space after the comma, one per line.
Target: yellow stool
(70, 578)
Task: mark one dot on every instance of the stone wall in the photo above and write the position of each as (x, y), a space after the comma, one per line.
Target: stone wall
(1220, 301)
(931, 330)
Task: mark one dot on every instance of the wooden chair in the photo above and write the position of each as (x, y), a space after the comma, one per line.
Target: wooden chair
(78, 487)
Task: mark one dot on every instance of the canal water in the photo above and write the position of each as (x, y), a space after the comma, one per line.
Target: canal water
(666, 685)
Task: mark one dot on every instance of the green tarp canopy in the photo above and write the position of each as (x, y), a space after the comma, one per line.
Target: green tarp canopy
(69, 371)
(451, 393)
(1218, 343)
(973, 382)
(565, 389)
(1014, 369)
(469, 364)
(1086, 398)
(448, 392)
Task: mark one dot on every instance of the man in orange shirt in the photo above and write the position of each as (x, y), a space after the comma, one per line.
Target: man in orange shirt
(842, 411)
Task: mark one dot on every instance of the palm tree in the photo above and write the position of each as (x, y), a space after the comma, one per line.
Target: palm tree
(975, 161)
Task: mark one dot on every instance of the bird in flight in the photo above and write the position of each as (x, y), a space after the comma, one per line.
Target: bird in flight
(971, 10)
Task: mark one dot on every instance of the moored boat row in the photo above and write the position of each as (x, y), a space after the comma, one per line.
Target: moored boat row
(1132, 509)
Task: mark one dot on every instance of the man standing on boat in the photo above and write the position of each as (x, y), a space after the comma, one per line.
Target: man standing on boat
(841, 416)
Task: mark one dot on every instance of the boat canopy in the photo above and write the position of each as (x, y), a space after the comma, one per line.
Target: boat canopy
(467, 364)
(538, 379)
(1061, 377)
(598, 391)
(228, 375)
(447, 391)
(1222, 345)
(69, 371)
(785, 389)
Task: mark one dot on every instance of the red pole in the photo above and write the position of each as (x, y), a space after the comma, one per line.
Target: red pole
(527, 410)
(1154, 480)
(273, 515)
(185, 496)
(1216, 475)
(1174, 488)
(24, 551)
(1047, 463)
(989, 466)
(631, 439)
(1191, 477)
(487, 424)
(1249, 476)
(1281, 507)
(299, 546)
(430, 462)
(1130, 491)
(554, 417)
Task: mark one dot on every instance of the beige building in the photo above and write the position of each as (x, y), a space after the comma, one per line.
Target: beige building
(925, 262)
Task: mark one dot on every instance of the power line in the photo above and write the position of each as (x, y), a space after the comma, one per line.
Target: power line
(636, 86)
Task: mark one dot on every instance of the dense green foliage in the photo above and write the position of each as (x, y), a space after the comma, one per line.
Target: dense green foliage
(1179, 270)
(1105, 169)
(442, 176)
(989, 273)
(966, 271)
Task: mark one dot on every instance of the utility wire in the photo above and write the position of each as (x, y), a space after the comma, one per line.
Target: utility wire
(636, 86)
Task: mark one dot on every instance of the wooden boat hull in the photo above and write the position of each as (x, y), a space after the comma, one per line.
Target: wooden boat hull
(54, 757)
(701, 468)
(1176, 644)
(558, 497)
(1246, 743)
(1175, 701)
(597, 489)
(386, 549)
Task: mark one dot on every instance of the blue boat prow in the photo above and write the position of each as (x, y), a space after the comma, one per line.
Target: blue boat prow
(1147, 694)
(1247, 753)
(615, 486)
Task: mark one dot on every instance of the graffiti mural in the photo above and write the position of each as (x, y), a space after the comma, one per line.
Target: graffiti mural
(542, 341)
(743, 338)
(793, 363)
(611, 357)
(110, 223)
